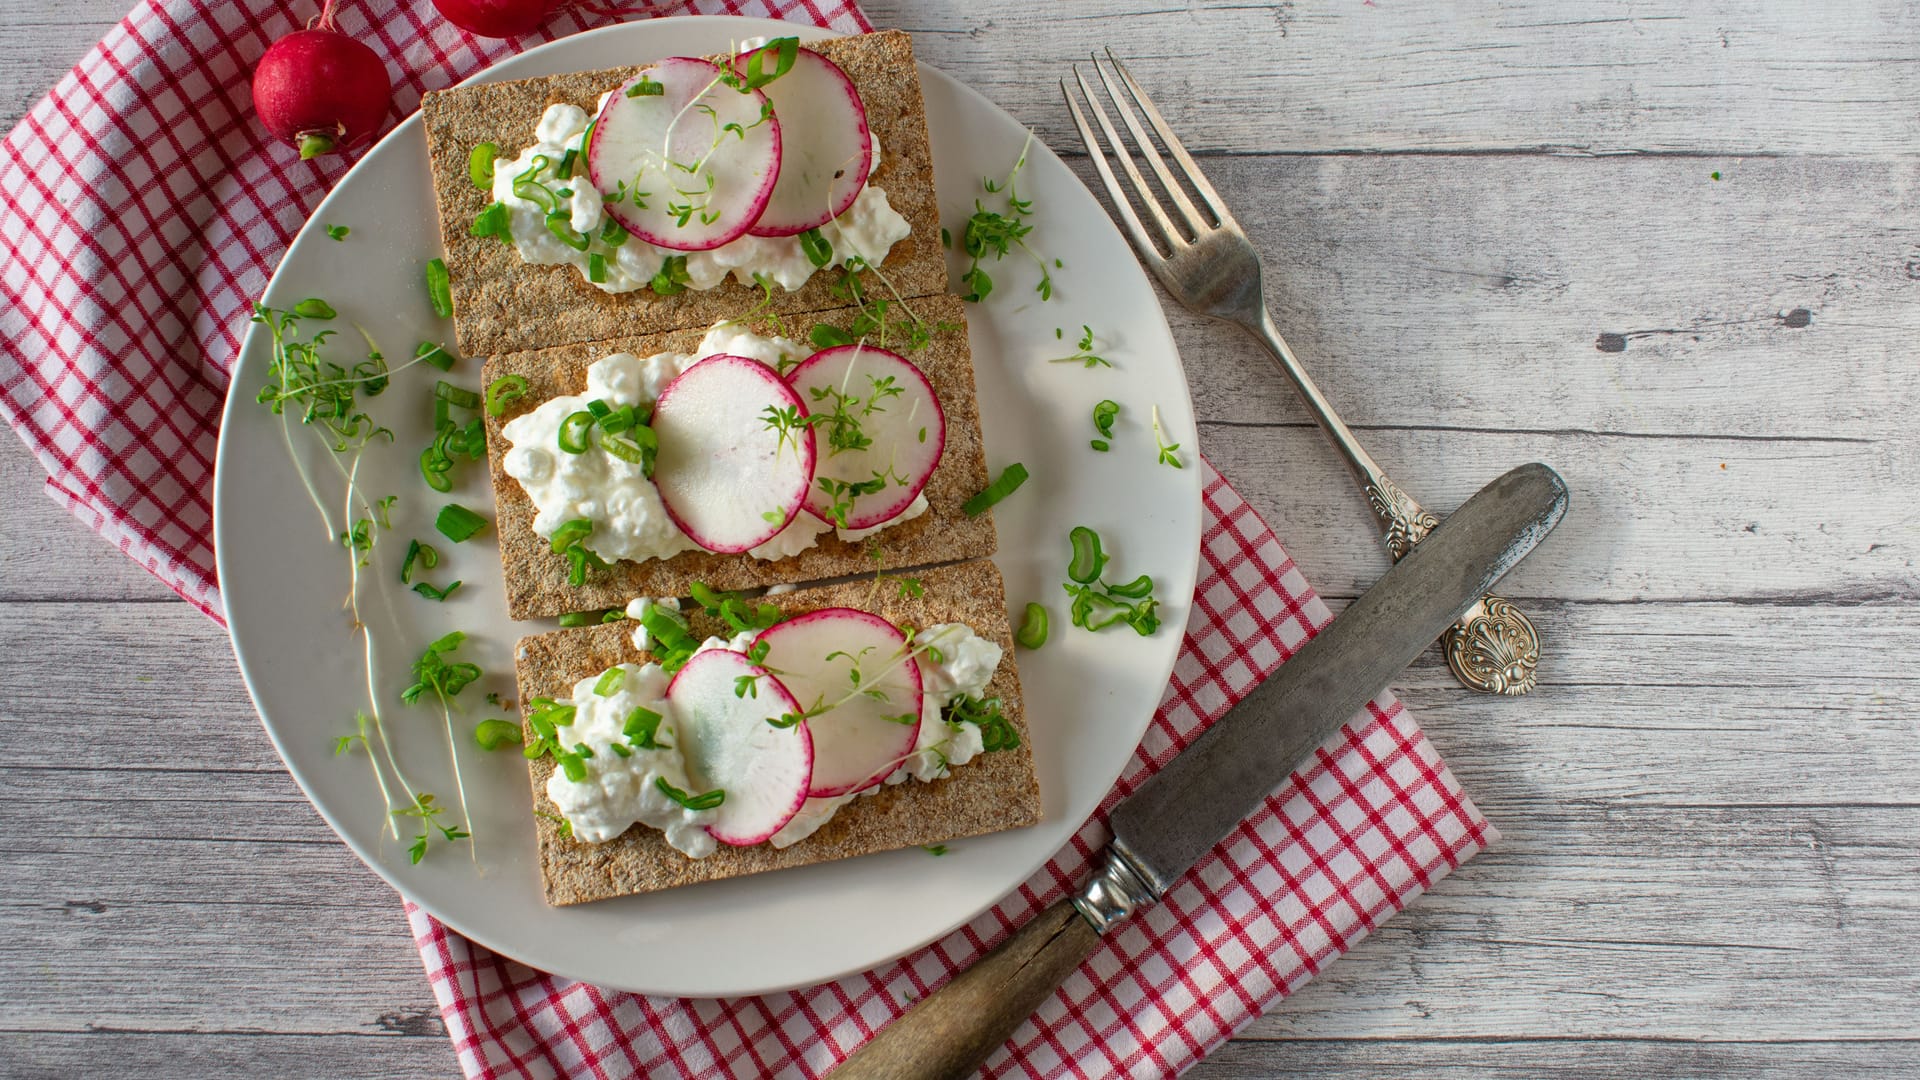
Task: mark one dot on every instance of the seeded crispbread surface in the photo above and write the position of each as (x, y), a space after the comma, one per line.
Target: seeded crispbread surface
(993, 792)
(536, 578)
(504, 304)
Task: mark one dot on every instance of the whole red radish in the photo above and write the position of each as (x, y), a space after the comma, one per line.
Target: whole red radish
(320, 90)
(497, 18)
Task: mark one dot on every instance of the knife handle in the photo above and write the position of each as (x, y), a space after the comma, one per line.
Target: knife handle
(951, 1031)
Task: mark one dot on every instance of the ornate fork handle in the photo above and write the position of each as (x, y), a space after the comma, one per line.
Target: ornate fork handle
(1494, 648)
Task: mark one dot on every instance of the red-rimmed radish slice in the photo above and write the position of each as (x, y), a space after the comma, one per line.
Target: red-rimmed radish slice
(728, 477)
(692, 182)
(825, 148)
(729, 744)
(893, 432)
(871, 726)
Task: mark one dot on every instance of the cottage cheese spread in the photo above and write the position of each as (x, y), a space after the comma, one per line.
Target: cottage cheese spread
(869, 228)
(629, 520)
(619, 792)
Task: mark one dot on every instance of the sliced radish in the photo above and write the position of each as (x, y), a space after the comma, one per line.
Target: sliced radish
(825, 150)
(729, 744)
(691, 182)
(728, 477)
(907, 430)
(868, 728)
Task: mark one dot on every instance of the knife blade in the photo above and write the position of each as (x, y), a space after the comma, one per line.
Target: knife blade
(1183, 810)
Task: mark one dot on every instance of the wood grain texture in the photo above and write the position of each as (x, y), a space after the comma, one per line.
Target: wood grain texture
(1710, 856)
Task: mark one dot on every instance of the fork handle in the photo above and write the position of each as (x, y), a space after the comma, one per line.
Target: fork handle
(1494, 648)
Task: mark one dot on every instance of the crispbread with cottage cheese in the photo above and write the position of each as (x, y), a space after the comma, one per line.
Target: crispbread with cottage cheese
(503, 304)
(993, 792)
(536, 578)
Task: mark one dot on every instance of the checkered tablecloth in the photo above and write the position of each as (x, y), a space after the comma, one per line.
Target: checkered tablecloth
(142, 210)
(1372, 821)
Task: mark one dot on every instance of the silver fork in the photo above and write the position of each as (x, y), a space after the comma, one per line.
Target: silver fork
(1204, 260)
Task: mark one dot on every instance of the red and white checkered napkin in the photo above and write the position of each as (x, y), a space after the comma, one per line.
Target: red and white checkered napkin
(1373, 821)
(141, 212)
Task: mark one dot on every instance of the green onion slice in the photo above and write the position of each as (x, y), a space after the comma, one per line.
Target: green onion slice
(574, 431)
(610, 681)
(1088, 559)
(457, 523)
(579, 618)
(1033, 628)
(571, 533)
(1010, 480)
(1136, 589)
(494, 734)
(705, 801)
(613, 234)
(504, 390)
(439, 288)
(425, 554)
(641, 728)
(480, 165)
(432, 593)
(1103, 416)
(560, 224)
(435, 354)
(819, 252)
(597, 268)
(457, 396)
(495, 220)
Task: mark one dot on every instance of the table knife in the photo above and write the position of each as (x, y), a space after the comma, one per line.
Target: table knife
(1186, 808)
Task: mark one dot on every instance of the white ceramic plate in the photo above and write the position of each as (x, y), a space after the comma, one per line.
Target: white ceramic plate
(1089, 697)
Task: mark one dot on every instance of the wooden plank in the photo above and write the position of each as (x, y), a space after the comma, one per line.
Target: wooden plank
(1522, 294)
(46, 554)
(241, 1054)
(1534, 76)
(1574, 1059)
(1696, 519)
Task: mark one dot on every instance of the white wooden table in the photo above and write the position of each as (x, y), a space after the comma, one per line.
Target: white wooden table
(1669, 246)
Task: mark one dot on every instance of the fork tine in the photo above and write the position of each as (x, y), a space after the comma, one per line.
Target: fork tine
(1175, 242)
(1135, 231)
(1196, 224)
(1192, 171)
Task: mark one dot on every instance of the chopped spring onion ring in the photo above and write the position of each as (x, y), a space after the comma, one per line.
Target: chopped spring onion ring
(1136, 589)
(574, 431)
(610, 681)
(1010, 480)
(457, 396)
(435, 354)
(417, 551)
(580, 618)
(559, 223)
(504, 390)
(1088, 560)
(432, 593)
(819, 252)
(571, 533)
(641, 728)
(1033, 628)
(480, 165)
(705, 801)
(457, 523)
(439, 288)
(494, 734)
(434, 466)
(596, 268)
(1103, 416)
(495, 220)
(613, 234)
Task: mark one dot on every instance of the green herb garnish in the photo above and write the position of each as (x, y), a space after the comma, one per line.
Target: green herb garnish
(1033, 627)
(439, 288)
(818, 251)
(1084, 356)
(424, 554)
(494, 734)
(1168, 454)
(480, 165)
(609, 682)
(1008, 482)
(706, 801)
(457, 523)
(1088, 560)
(503, 391)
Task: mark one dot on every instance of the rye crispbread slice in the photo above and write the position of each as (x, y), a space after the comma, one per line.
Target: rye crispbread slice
(993, 792)
(536, 578)
(503, 304)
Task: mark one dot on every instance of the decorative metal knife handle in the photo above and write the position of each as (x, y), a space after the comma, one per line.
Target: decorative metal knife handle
(1494, 648)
